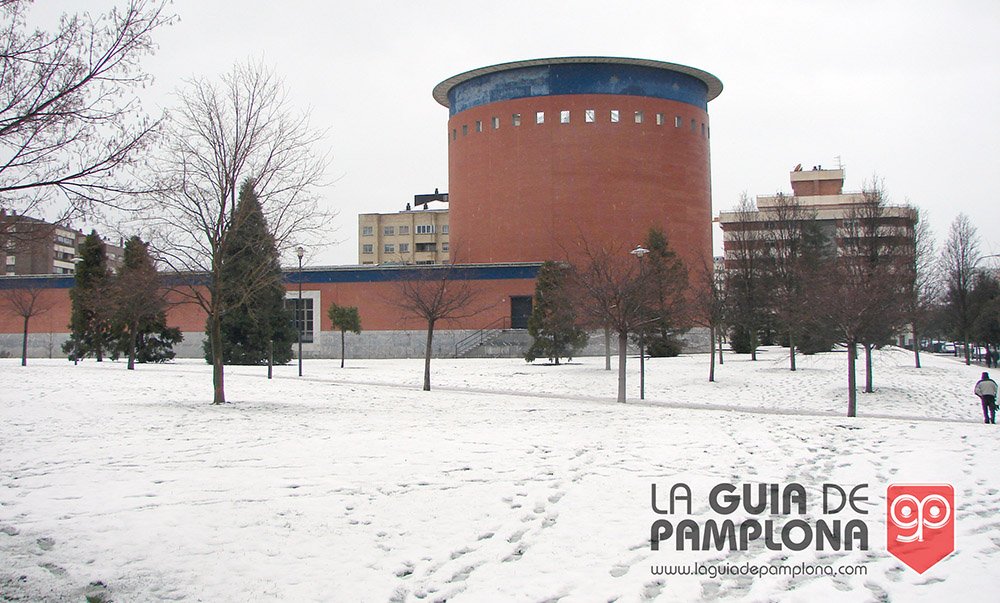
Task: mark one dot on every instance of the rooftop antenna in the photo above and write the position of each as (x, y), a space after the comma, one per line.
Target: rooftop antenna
(840, 164)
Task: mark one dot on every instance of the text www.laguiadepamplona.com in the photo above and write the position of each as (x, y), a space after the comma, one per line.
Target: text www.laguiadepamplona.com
(752, 569)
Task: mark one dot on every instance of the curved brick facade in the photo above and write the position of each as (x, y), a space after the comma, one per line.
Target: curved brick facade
(534, 191)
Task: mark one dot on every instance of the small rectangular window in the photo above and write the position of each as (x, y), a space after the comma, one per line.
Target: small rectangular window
(588, 116)
(638, 117)
(702, 128)
(425, 229)
(404, 230)
(496, 123)
(444, 246)
(564, 117)
(454, 134)
(367, 248)
(444, 229)
(465, 129)
(388, 231)
(388, 248)
(614, 116)
(659, 119)
(693, 125)
(404, 248)
(515, 119)
(677, 121)
(540, 117)
(479, 125)
(367, 231)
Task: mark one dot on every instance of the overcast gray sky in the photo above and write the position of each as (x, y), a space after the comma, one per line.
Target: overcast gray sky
(906, 90)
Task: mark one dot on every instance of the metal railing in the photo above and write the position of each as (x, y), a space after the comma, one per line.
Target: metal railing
(482, 336)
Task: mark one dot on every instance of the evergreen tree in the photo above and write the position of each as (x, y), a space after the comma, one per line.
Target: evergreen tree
(139, 315)
(90, 321)
(253, 317)
(344, 318)
(553, 321)
(666, 274)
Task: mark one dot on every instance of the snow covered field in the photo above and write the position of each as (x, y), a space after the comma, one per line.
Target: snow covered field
(509, 482)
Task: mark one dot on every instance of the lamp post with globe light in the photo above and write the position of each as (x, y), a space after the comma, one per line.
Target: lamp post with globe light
(640, 252)
(300, 314)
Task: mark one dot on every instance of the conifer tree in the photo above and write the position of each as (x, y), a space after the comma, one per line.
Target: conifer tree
(253, 317)
(553, 323)
(344, 318)
(90, 319)
(139, 315)
(666, 274)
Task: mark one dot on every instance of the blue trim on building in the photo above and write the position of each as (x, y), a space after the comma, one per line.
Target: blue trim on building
(375, 274)
(589, 78)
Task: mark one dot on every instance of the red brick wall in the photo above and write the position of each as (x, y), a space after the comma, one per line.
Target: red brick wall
(532, 192)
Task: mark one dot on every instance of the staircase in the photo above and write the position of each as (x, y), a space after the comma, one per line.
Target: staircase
(496, 340)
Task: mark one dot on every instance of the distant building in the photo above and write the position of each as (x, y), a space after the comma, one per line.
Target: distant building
(821, 193)
(31, 246)
(411, 236)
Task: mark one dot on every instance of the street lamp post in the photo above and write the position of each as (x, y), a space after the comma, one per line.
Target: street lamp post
(300, 251)
(641, 252)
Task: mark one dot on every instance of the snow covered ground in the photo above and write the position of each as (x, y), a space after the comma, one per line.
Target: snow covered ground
(509, 482)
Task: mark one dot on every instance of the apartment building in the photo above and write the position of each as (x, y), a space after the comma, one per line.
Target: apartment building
(32, 246)
(411, 236)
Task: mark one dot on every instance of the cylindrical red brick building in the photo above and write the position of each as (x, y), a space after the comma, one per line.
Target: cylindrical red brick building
(547, 153)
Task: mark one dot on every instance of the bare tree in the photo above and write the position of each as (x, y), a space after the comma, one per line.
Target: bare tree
(785, 227)
(746, 250)
(711, 313)
(69, 122)
(434, 294)
(865, 292)
(958, 266)
(242, 127)
(923, 283)
(26, 301)
(613, 294)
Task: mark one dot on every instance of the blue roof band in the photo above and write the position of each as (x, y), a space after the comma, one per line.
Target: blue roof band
(577, 75)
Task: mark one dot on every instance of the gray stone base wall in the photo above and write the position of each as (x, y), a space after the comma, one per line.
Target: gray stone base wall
(369, 344)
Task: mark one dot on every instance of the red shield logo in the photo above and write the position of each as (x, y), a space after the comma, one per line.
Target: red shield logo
(920, 523)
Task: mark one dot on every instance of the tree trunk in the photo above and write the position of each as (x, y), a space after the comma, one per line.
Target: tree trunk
(852, 393)
(721, 361)
(968, 358)
(24, 343)
(607, 349)
(270, 358)
(622, 351)
(218, 374)
(753, 345)
(427, 356)
(711, 347)
(342, 348)
(132, 335)
(916, 347)
(791, 350)
(868, 369)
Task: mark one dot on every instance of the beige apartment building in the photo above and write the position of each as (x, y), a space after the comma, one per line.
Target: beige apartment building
(411, 236)
(31, 246)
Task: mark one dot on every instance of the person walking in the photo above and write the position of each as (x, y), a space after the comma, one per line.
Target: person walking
(986, 389)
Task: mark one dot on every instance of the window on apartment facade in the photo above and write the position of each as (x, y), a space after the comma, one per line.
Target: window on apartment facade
(404, 248)
(388, 231)
(367, 231)
(694, 124)
(515, 119)
(454, 134)
(677, 121)
(639, 116)
(389, 248)
(465, 129)
(367, 248)
(614, 116)
(404, 230)
(479, 125)
(425, 229)
(564, 117)
(444, 246)
(425, 247)
(496, 123)
(588, 116)
(539, 117)
(659, 119)
(444, 229)
(303, 312)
